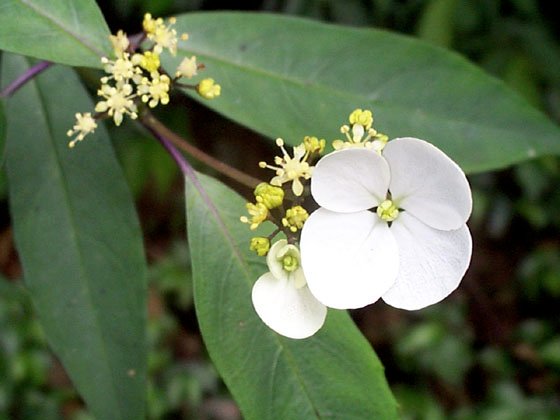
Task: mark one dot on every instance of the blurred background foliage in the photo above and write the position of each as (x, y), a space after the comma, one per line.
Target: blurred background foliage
(491, 351)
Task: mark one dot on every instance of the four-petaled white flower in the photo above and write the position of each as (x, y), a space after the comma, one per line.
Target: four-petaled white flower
(391, 227)
(281, 297)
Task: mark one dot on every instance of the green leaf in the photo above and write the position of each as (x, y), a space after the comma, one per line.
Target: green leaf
(288, 77)
(79, 241)
(71, 32)
(333, 374)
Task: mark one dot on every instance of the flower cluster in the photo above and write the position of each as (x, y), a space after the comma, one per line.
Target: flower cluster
(134, 77)
(391, 224)
(281, 297)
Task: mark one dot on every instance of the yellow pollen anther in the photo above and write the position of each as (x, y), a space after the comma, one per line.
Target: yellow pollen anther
(387, 211)
(361, 117)
(313, 144)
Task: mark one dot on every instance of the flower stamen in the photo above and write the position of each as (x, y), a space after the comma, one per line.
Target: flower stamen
(387, 211)
(361, 133)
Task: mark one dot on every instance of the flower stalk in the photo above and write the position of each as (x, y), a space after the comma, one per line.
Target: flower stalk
(160, 130)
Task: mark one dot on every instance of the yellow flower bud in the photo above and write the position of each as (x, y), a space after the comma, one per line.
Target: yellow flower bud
(208, 89)
(313, 144)
(269, 195)
(295, 218)
(260, 245)
(148, 61)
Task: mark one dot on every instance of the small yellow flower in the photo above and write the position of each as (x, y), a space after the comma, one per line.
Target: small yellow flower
(120, 43)
(269, 195)
(188, 68)
(149, 61)
(290, 168)
(258, 213)
(208, 89)
(260, 245)
(118, 101)
(150, 24)
(295, 218)
(154, 90)
(164, 36)
(121, 70)
(85, 124)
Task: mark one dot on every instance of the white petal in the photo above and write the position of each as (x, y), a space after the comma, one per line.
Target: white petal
(432, 262)
(428, 184)
(292, 312)
(274, 264)
(350, 180)
(349, 259)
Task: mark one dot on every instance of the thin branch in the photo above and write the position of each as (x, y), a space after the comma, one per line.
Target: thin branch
(188, 173)
(24, 78)
(179, 159)
(160, 130)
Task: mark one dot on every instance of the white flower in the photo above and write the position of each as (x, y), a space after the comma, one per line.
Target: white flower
(391, 226)
(281, 297)
(85, 124)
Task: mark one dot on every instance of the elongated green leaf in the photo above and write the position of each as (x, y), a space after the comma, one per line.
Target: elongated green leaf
(71, 32)
(334, 374)
(79, 241)
(288, 77)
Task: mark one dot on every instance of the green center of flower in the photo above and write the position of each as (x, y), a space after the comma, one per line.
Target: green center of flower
(290, 263)
(387, 211)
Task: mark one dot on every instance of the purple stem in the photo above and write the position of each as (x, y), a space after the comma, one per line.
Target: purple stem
(177, 156)
(24, 78)
(189, 173)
